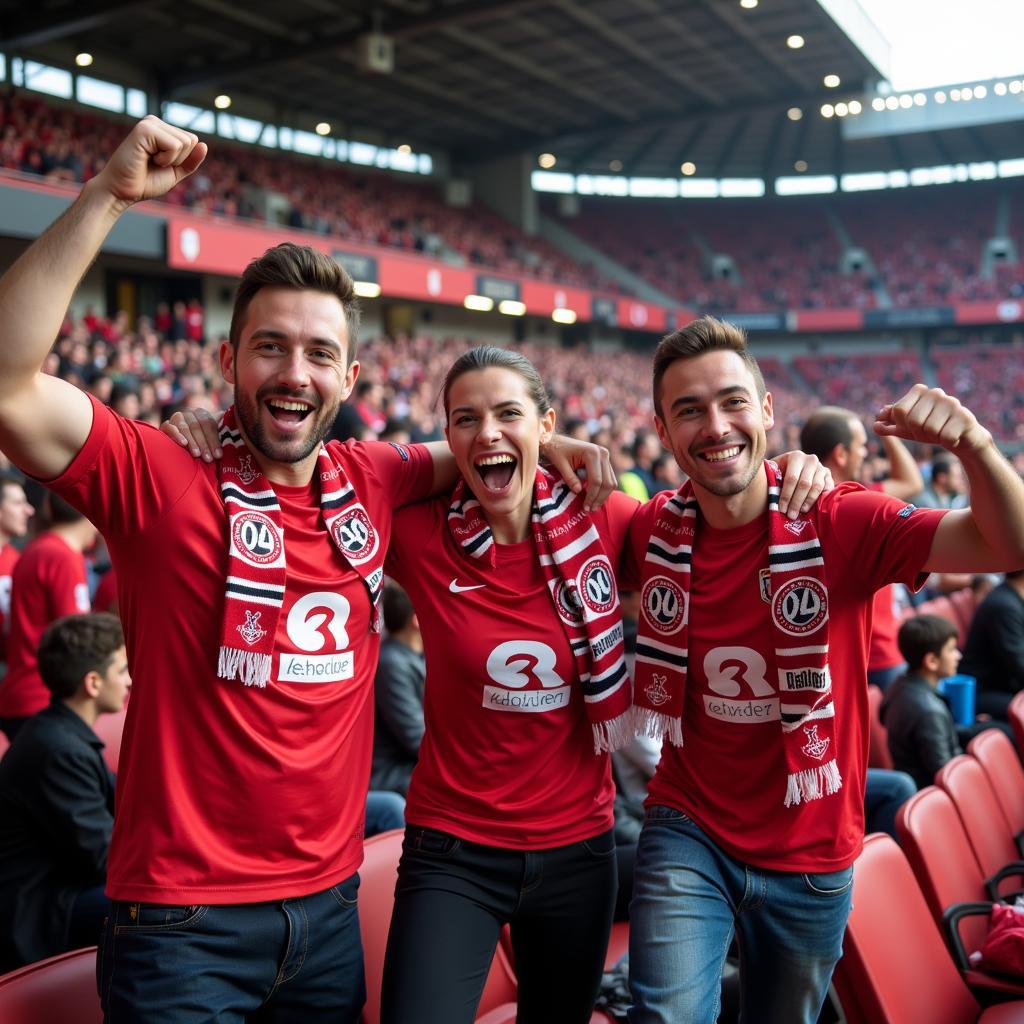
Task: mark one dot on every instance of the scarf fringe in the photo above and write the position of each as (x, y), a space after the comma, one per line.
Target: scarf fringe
(813, 783)
(614, 734)
(252, 668)
(657, 725)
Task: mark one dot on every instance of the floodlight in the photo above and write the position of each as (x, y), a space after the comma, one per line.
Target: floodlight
(795, 42)
(547, 160)
(83, 60)
(794, 113)
(832, 81)
(827, 110)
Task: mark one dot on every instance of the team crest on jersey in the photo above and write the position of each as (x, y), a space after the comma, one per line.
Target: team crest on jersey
(568, 604)
(256, 538)
(764, 584)
(355, 534)
(596, 585)
(800, 606)
(656, 691)
(251, 630)
(816, 746)
(664, 605)
(796, 526)
(401, 449)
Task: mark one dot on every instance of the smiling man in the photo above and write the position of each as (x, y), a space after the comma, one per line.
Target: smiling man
(249, 589)
(751, 662)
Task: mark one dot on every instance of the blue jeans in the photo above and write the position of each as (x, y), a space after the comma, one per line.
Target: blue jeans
(885, 792)
(288, 961)
(384, 811)
(690, 898)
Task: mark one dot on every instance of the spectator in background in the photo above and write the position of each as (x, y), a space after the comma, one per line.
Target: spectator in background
(838, 438)
(57, 796)
(369, 405)
(48, 583)
(15, 512)
(922, 734)
(398, 694)
(194, 321)
(959, 606)
(947, 487)
(995, 647)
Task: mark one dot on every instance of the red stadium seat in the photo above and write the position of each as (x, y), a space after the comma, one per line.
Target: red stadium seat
(60, 990)
(878, 737)
(895, 967)
(996, 755)
(4, 743)
(1017, 720)
(994, 846)
(109, 729)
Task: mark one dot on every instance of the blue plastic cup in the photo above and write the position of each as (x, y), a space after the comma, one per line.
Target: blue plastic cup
(959, 691)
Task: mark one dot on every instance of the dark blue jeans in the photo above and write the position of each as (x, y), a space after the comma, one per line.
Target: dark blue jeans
(293, 961)
(453, 897)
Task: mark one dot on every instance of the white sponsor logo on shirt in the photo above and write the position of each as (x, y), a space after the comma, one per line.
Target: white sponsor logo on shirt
(315, 668)
(457, 588)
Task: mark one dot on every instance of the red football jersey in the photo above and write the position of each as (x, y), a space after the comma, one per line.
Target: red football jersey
(8, 556)
(730, 775)
(228, 793)
(508, 756)
(48, 582)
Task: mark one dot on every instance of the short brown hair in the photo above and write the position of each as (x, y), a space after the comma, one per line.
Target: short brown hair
(74, 646)
(699, 336)
(305, 269)
(483, 357)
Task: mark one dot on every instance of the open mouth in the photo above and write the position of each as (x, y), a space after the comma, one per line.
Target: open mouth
(288, 412)
(722, 454)
(496, 470)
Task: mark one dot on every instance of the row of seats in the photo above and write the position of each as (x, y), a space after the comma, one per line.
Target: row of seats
(920, 911)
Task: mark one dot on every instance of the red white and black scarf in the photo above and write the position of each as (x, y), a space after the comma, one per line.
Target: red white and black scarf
(799, 611)
(581, 582)
(256, 552)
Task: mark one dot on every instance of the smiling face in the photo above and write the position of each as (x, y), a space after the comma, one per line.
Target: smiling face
(290, 376)
(714, 423)
(495, 432)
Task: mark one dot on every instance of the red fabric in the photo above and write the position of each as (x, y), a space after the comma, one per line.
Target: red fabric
(105, 598)
(885, 627)
(1003, 949)
(48, 582)
(508, 756)
(229, 793)
(728, 775)
(8, 556)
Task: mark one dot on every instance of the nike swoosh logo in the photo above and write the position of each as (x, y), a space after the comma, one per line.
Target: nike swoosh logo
(456, 589)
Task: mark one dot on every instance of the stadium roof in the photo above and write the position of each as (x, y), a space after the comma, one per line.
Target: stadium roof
(630, 86)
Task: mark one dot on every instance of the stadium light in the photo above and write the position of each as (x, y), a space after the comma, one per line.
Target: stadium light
(827, 110)
(547, 160)
(794, 113)
(980, 92)
(366, 289)
(999, 88)
(920, 99)
(403, 148)
(892, 103)
(954, 95)
(748, 5)
(615, 166)
(1015, 87)
(878, 103)
(222, 102)
(564, 316)
(83, 60)
(818, 185)
(800, 165)
(906, 101)
(940, 97)
(480, 303)
(323, 128)
(689, 168)
(832, 81)
(842, 109)
(795, 42)
(512, 307)
(855, 107)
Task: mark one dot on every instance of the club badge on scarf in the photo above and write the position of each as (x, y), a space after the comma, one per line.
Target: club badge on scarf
(799, 612)
(257, 571)
(582, 586)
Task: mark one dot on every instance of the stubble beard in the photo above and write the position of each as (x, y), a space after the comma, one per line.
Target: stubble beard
(248, 412)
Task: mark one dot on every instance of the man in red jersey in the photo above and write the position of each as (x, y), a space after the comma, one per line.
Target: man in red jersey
(248, 590)
(15, 512)
(751, 660)
(48, 583)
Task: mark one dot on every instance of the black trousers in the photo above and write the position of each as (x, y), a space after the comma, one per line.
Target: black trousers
(451, 901)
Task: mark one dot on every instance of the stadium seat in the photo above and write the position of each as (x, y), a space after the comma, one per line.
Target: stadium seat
(995, 753)
(60, 990)
(377, 875)
(895, 966)
(4, 743)
(994, 846)
(109, 729)
(878, 737)
(1016, 716)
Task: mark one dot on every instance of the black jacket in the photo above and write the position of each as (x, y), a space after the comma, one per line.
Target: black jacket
(994, 653)
(398, 726)
(922, 734)
(56, 817)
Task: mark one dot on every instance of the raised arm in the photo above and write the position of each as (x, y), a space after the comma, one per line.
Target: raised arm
(45, 421)
(904, 479)
(988, 536)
